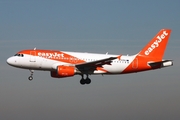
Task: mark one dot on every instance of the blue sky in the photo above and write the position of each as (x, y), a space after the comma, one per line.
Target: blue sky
(114, 26)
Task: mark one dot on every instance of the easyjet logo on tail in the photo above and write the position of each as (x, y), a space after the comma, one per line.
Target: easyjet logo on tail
(156, 43)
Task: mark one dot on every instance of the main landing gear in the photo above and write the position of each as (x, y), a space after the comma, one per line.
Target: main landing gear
(31, 76)
(85, 81)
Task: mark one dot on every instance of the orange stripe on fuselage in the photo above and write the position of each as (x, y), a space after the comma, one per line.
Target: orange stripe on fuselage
(53, 55)
(58, 56)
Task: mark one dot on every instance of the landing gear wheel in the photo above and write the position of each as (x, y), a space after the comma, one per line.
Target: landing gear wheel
(30, 78)
(82, 82)
(88, 81)
(85, 81)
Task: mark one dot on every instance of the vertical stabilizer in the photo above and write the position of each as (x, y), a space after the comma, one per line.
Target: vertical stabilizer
(156, 47)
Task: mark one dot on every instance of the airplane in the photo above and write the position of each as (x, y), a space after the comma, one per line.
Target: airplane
(63, 64)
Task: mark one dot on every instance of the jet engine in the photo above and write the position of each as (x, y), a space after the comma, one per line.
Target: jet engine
(63, 71)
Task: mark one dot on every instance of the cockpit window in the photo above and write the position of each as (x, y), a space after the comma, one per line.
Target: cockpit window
(20, 55)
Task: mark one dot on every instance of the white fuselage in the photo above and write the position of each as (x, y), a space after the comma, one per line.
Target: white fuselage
(43, 63)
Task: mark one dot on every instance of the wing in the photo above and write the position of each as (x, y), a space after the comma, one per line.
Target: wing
(91, 66)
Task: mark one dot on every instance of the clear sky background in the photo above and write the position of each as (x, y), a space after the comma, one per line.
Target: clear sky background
(114, 26)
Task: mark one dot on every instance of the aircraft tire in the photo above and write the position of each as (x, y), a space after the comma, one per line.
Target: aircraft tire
(82, 82)
(88, 81)
(30, 78)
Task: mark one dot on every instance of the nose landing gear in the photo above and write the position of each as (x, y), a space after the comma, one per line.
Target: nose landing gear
(31, 76)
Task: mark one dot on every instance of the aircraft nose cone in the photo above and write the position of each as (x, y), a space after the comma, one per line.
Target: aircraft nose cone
(10, 61)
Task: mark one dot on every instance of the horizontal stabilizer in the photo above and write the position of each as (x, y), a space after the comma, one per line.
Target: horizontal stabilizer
(161, 64)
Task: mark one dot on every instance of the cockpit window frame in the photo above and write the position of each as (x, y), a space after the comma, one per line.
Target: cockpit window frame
(19, 55)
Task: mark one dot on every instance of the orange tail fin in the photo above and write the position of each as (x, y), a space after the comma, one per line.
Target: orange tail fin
(156, 47)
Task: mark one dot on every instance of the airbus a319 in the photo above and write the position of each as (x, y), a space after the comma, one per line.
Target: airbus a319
(63, 64)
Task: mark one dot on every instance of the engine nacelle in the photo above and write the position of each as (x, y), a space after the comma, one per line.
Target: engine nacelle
(63, 71)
